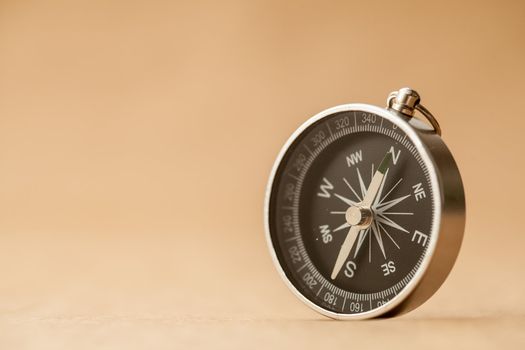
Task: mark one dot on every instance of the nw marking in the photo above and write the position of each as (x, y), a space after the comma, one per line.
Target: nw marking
(354, 158)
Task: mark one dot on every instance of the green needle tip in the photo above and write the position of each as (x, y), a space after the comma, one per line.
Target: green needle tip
(385, 163)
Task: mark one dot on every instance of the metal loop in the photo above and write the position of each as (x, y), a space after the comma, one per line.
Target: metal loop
(425, 112)
(390, 99)
(433, 121)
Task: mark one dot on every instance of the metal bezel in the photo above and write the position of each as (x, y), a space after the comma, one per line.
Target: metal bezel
(438, 184)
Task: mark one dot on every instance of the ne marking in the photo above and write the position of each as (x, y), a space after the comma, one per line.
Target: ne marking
(419, 191)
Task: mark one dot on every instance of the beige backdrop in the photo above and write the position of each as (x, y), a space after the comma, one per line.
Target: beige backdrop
(136, 138)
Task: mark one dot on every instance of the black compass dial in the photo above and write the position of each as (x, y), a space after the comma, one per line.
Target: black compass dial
(351, 212)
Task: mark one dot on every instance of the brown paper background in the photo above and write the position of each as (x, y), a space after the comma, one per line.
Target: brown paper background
(136, 138)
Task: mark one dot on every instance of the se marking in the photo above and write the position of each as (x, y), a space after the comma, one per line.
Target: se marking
(388, 268)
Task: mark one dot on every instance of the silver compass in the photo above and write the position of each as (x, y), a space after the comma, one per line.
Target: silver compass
(365, 209)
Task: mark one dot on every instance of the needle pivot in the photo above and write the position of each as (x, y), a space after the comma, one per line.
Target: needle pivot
(359, 216)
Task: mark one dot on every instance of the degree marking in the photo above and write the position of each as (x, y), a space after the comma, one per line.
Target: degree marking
(293, 176)
(302, 267)
(329, 129)
(308, 149)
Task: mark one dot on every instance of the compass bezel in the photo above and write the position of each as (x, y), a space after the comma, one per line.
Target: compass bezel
(427, 147)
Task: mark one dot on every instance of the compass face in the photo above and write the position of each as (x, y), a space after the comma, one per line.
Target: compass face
(351, 212)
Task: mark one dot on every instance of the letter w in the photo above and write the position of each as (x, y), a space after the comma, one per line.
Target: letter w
(326, 186)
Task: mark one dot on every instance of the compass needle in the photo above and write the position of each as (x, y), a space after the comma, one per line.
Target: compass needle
(345, 250)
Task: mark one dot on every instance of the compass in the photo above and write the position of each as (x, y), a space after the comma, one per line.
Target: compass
(365, 209)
